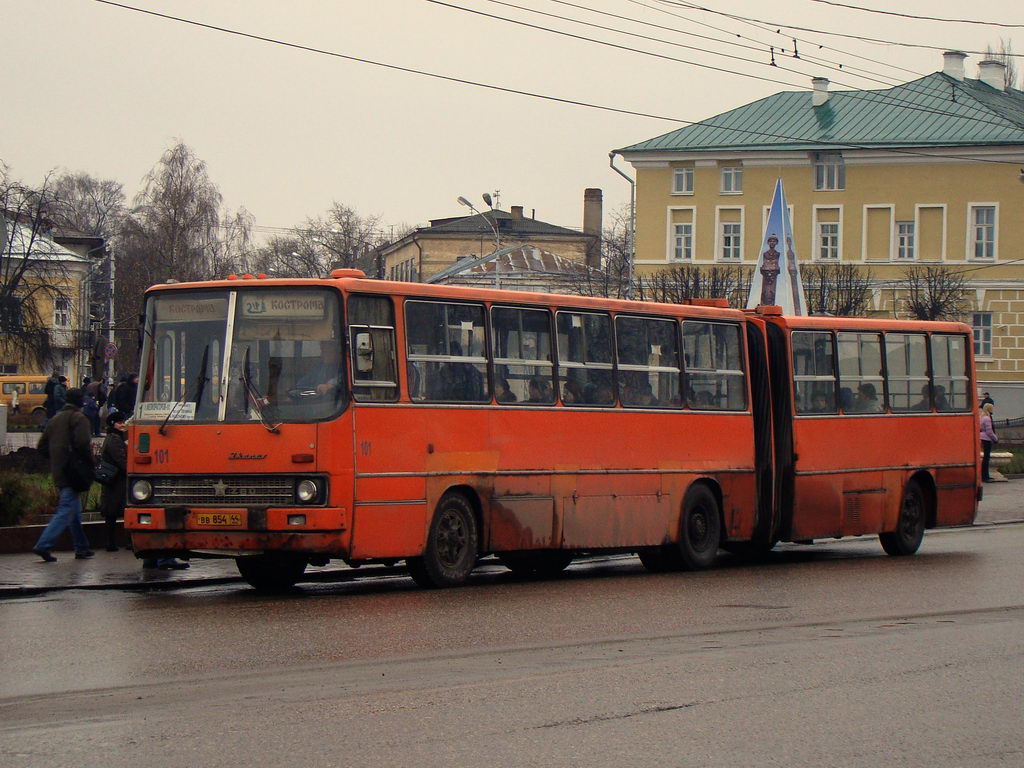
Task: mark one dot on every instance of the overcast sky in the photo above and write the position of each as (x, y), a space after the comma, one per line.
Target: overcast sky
(285, 132)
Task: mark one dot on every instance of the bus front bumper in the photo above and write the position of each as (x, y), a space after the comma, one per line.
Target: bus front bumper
(235, 531)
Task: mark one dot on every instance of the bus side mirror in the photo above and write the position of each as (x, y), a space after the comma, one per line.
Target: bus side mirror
(364, 353)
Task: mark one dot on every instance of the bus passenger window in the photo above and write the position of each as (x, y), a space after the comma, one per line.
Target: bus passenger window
(585, 357)
(648, 362)
(949, 372)
(814, 377)
(713, 354)
(446, 342)
(521, 345)
(906, 358)
(372, 344)
(860, 372)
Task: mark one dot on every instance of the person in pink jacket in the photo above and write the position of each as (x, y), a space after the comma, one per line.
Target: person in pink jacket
(988, 439)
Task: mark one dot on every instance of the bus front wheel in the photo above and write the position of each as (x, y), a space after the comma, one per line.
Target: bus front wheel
(700, 532)
(271, 573)
(909, 532)
(451, 545)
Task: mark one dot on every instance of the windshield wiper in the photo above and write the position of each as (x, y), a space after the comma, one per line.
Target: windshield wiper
(256, 397)
(201, 380)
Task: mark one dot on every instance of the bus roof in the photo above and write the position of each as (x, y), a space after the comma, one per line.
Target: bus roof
(425, 290)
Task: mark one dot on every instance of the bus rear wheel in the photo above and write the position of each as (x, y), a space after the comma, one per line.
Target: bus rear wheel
(271, 573)
(906, 539)
(451, 545)
(540, 563)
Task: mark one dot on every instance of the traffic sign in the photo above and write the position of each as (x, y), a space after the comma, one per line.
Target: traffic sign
(109, 351)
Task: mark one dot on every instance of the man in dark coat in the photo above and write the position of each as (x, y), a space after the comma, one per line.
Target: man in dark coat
(123, 399)
(67, 439)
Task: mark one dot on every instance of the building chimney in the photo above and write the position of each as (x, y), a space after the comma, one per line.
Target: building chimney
(953, 64)
(517, 212)
(593, 212)
(993, 73)
(820, 95)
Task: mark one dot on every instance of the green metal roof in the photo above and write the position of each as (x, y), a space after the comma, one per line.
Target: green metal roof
(934, 111)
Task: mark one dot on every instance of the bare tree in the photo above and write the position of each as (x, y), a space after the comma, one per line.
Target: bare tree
(341, 238)
(34, 273)
(614, 278)
(87, 204)
(1006, 56)
(935, 293)
(682, 282)
(837, 289)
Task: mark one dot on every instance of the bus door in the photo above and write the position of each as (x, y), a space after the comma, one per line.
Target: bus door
(782, 432)
(766, 520)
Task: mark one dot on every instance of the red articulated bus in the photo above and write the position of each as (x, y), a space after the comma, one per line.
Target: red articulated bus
(286, 422)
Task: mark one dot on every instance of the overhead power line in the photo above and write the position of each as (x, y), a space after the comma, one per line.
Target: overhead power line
(870, 96)
(683, 4)
(531, 94)
(913, 16)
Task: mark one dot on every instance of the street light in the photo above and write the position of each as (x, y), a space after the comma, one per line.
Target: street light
(497, 238)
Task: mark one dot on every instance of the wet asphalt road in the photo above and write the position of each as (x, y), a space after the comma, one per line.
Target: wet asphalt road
(826, 655)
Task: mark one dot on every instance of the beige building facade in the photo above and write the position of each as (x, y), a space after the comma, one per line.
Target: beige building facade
(925, 174)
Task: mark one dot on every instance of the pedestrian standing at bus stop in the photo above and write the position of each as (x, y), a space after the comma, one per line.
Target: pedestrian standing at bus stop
(988, 439)
(67, 442)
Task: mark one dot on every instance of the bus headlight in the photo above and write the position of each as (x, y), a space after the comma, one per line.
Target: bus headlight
(142, 490)
(307, 491)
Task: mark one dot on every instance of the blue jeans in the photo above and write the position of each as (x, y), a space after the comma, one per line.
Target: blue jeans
(68, 513)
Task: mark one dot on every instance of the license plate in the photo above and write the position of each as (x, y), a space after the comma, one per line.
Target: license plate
(218, 518)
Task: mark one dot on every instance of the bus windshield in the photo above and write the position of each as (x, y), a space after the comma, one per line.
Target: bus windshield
(270, 355)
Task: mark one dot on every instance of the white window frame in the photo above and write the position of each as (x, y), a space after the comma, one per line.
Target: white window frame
(686, 246)
(982, 334)
(720, 229)
(972, 229)
(891, 208)
(734, 173)
(684, 175)
(668, 256)
(829, 172)
(906, 240)
(830, 242)
(816, 232)
(736, 247)
(917, 229)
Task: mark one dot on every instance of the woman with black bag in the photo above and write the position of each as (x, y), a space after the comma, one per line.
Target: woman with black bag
(115, 452)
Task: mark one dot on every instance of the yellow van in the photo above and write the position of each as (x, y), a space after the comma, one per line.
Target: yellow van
(31, 397)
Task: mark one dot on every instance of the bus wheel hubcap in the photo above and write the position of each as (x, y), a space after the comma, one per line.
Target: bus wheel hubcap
(451, 539)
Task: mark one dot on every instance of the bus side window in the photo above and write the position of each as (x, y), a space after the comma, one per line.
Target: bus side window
(447, 342)
(521, 347)
(906, 360)
(648, 371)
(861, 385)
(814, 373)
(949, 372)
(585, 358)
(372, 348)
(713, 354)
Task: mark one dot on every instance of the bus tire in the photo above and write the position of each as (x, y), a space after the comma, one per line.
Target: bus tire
(700, 530)
(451, 550)
(660, 559)
(271, 573)
(542, 563)
(906, 539)
(38, 417)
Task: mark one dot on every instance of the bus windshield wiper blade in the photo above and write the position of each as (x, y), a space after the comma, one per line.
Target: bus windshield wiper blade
(201, 380)
(255, 396)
